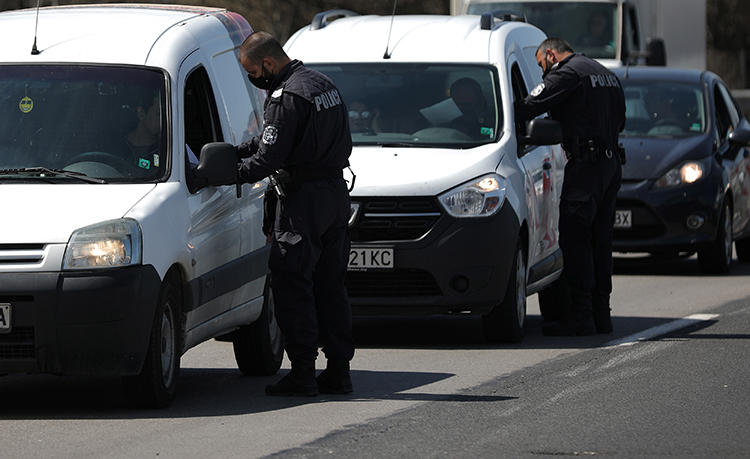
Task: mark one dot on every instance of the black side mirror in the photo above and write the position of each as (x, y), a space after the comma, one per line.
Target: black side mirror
(542, 131)
(217, 166)
(740, 137)
(656, 52)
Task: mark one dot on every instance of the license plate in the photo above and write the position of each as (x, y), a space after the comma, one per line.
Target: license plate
(361, 258)
(623, 219)
(4, 317)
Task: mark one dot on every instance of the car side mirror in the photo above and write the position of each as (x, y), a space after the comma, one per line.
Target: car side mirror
(542, 131)
(656, 52)
(740, 136)
(217, 166)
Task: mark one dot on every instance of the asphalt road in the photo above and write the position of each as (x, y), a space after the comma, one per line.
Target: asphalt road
(433, 387)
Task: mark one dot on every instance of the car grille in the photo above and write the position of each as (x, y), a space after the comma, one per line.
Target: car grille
(393, 219)
(396, 283)
(13, 254)
(646, 224)
(18, 344)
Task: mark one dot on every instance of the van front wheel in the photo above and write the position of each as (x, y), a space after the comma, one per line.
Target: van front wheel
(505, 322)
(156, 384)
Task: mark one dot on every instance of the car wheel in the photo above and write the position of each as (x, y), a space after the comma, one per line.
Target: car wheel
(717, 257)
(505, 322)
(554, 300)
(742, 246)
(155, 386)
(259, 347)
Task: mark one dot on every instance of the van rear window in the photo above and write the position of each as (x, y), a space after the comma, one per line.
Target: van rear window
(103, 121)
(419, 105)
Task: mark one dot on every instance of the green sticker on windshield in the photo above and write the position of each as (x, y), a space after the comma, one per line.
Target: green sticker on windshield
(695, 127)
(488, 131)
(144, 163)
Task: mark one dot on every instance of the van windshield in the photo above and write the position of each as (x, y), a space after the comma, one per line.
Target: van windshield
(663, 109)
(102, 121)
(419, 105)
(591, 28)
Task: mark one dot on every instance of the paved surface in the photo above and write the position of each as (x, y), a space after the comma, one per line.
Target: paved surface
(433, 387)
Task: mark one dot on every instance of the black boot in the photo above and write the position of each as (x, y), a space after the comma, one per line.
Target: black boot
(580, 320)
(298, 382)
(335, 379)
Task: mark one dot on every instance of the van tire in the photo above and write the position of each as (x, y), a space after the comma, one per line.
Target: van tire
(505, 322)
(259, 347)
(156, 385)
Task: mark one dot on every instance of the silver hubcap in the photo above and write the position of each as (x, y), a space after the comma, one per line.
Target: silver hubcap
(520, 287)
(167, 346)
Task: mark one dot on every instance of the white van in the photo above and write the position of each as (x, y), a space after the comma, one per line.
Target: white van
(111, 261)
(454, 206)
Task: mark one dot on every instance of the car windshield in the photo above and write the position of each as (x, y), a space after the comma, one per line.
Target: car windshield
(590, 28)
(103, 122)
(418, 105)
(663, 109)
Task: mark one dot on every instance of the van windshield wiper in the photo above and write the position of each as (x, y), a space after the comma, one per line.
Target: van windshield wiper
(45, 172)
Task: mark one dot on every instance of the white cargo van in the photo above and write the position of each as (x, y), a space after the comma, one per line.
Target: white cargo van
(454, 206)
(111, 261)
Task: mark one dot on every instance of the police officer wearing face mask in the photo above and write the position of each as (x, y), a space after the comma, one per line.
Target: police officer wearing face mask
(587, 99)
(304, 146)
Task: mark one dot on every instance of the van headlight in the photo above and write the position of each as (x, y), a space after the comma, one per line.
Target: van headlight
(110, 244)
(684, 174)
(480, 197)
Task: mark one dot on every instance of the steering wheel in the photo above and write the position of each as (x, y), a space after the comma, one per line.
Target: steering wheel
(101, 157)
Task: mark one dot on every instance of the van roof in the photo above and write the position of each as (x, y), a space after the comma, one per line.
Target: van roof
(106, 33)
(414, 38)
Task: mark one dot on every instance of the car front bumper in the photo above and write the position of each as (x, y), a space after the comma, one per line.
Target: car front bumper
(78, 323)
(660, 217)
(459, 265)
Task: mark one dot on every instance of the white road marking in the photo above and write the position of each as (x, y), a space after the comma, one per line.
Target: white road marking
(661, 329)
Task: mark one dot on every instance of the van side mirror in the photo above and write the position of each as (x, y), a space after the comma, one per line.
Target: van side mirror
(217, 166)
(740, 137)
(542, 131)
(656, 52)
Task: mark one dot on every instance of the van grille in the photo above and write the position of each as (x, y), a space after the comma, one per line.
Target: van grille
(394, 219)
(18, 344)
(396, 283)
(12, 254)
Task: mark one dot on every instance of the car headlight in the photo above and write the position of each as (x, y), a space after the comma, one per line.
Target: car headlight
(684, 174)
(480, 197)
(110, 244)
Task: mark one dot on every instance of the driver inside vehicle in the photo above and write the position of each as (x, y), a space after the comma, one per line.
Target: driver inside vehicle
(144, 140)
(664, 111)
(468, 97)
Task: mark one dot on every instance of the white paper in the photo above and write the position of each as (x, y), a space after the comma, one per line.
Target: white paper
(442, 112)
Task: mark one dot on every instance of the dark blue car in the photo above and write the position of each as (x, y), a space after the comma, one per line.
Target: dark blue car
(686, 184)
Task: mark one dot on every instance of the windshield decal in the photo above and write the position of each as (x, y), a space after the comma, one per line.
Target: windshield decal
(26, 105)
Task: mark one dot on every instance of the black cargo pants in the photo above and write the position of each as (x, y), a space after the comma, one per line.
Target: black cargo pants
(309, 254)
(587, 212)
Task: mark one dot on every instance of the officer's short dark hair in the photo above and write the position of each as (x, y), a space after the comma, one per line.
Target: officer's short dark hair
(259, 45)
(555, 44)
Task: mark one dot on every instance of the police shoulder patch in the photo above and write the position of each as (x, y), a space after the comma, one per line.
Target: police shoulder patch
(537, 90)
(270, 135)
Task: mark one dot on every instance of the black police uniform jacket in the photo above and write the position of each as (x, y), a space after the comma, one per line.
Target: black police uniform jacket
(305, 127)
(585, 97)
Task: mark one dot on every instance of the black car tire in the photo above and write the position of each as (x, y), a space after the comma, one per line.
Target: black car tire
(742, 246)
(505, 322)
(717, 257)
(156, 384)
(259, 347)
(552, 300)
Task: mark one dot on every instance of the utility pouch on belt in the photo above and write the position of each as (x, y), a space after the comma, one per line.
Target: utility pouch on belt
(278, 181)
(621, 154)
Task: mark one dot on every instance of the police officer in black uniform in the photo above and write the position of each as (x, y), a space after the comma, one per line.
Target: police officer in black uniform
(303, 148)
(587, 99)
